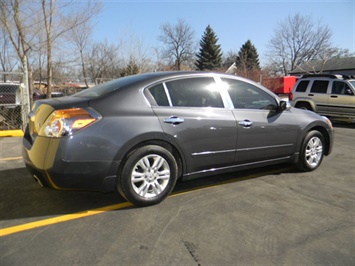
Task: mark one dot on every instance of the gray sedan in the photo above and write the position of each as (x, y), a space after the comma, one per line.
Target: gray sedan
(140, 134)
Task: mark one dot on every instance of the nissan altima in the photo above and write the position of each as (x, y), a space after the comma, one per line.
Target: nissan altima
(139, 134)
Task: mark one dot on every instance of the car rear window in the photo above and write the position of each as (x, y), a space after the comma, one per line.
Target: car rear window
(109, 86)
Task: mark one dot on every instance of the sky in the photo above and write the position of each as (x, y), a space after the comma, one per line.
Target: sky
(234, 21)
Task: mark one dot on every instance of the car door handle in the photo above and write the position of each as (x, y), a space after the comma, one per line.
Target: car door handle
(333, 96)
(246, 123)
(310, 94)
(174, 120)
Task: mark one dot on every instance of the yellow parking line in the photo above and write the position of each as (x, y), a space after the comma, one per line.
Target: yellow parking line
(11, 158)
(78, 215)
(60, 219)
(68, 217)
(11, 133)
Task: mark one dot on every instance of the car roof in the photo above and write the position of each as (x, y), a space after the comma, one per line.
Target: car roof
(152, 77)
(329, 76)
(171, 74)
(146, 79)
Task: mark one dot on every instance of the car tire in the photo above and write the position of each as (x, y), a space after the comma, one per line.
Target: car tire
(304, 106)
(312, 151)
(148, 175)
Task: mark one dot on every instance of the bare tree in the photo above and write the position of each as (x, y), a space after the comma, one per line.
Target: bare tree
(38, 55)
(7, 60)
(103, 61)
(132, 51)
(179, 42)
(80, 36)
(297, 40)
(229, 58)
(35, 27)
(15, 16)
(61, 17)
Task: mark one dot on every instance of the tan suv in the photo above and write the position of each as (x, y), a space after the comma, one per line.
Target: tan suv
(329, 95)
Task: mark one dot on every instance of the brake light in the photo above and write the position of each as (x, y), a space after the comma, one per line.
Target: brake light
(66, 122)
(290, 96)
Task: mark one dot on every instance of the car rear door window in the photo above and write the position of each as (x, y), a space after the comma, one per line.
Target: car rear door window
(302, 86)
(319, 86)
(194, 92)
(157, 95)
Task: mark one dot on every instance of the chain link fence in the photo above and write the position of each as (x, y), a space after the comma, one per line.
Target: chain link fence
(13, 104)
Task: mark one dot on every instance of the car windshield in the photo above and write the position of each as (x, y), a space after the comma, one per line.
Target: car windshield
(352, 83)
(108, 87)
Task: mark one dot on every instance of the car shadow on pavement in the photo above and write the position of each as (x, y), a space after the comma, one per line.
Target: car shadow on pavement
(22, 197)
(339, 124)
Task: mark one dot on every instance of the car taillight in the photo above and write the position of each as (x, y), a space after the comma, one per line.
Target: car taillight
(290, 96)
(66, 122)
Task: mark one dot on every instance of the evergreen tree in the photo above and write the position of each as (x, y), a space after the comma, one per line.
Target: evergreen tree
(210, 55)
(248, 58)
(131, 69)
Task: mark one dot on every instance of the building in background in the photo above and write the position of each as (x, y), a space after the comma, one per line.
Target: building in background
(340, 66)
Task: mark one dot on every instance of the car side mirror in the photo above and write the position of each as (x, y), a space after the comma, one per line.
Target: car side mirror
(282, 106)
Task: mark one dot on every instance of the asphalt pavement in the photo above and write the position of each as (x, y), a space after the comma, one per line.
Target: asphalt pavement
(269, 216)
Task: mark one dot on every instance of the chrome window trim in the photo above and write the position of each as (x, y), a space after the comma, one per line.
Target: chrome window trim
(167, 94)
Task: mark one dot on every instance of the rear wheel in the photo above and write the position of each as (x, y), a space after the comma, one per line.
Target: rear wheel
(312, 151)
(148, 175)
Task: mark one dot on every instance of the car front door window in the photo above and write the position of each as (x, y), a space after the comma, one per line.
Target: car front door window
(247, 96)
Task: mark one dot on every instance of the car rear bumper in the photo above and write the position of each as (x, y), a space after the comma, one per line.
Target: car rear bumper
(44, 159)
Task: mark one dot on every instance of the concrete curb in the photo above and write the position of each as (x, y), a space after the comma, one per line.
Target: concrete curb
(11, 133)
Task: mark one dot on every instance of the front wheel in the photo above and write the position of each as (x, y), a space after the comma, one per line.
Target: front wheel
(148, 175)
(312, 151)
(304, 106)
